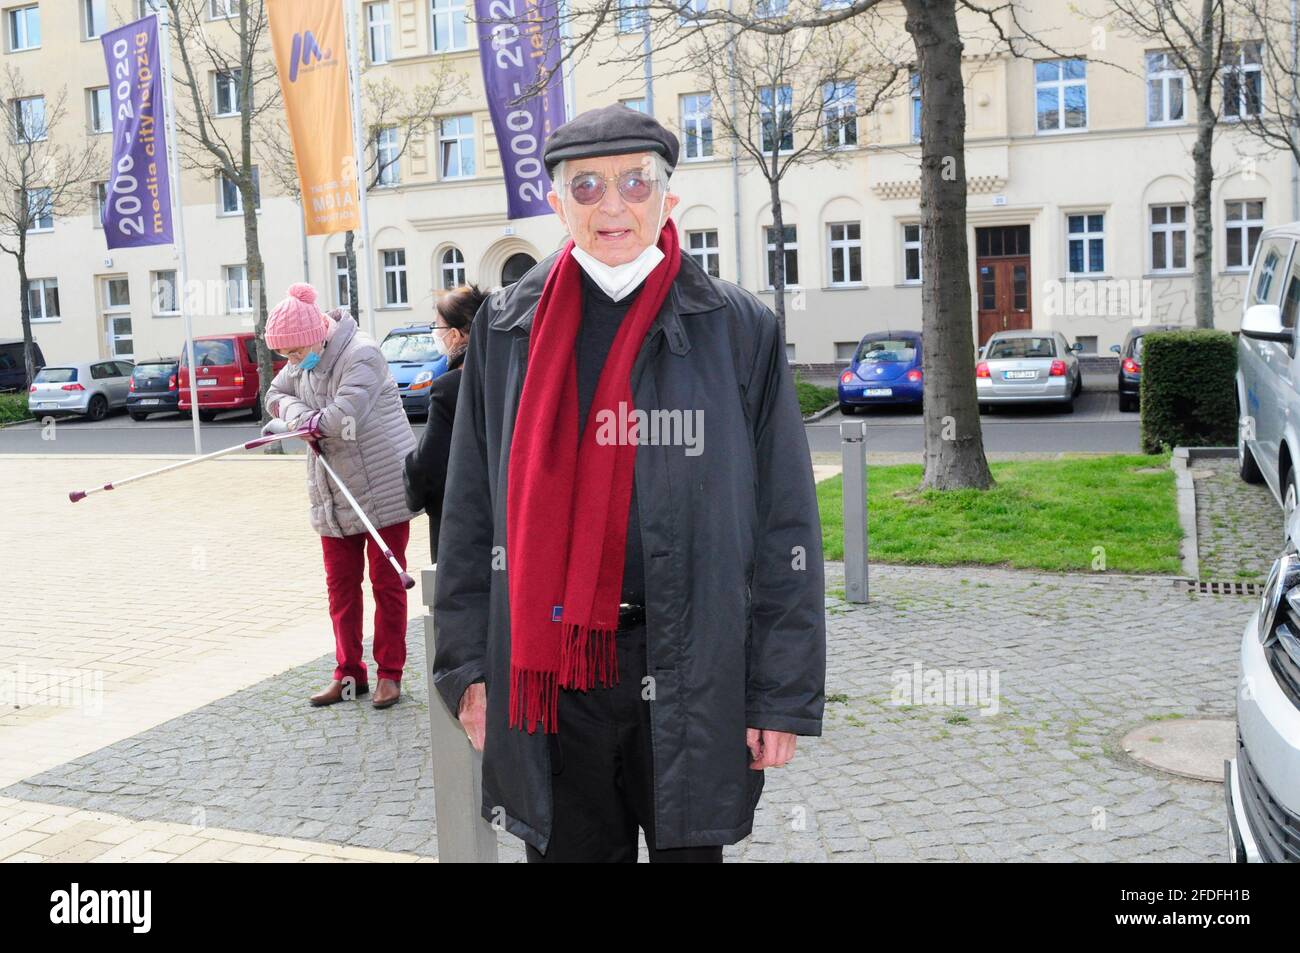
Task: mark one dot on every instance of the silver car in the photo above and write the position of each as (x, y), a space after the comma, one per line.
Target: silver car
(1268, 372)
(93, 389)
(1262, 783)
(1020, 367)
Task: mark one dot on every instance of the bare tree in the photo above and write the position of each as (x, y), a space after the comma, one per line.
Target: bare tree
(43, 175)
(787, 100)
(229, 58)
(1192, 34)
(1274, 38)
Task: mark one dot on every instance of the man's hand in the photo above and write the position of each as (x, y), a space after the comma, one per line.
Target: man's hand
(473, 714)
(769, 749)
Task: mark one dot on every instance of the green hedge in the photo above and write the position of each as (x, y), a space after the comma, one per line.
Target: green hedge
(1188, 392)
(13, 407)
(812, 397)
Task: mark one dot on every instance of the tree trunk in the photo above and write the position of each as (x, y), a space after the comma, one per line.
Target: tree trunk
(1203, 165)
(257, 292)
(25, 307)
(350, 246)
(954, 443)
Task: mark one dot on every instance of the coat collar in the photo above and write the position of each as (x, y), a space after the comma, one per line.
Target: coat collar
(692, 292)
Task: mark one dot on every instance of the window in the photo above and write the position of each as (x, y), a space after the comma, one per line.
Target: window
(1272, 257)
(232, 200)
(24, 28)
(703, 247)
(151, 6)
(225, 97)
(1245, 221)
(456, 142)
(1168, 237)
(770, 8)
(394, 277)
(1243, 80)
(237, 297)
(94, 18)
(99, 110)
(223, 9)
(635, 104)
(163, 292)
(117, 292)
(631, 15)
(379, 32)
(386, 156)
(1085, 243)
(1291, 298)
(791, 255)
(839, 107)
(914, 87)
(29, 118)
(1061, 91)
(453, 269)
(40, 209)
(697, 125)
(912, 254)
(846, 253)
(690, 6)
(43, 299)
(1087, 343)
(1166, 89)
(342, 288)
(101, 202)
(844, 351)
(448, 25)
(774, 105)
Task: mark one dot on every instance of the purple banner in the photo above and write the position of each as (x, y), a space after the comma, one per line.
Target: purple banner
(137, 208)
(519, 45)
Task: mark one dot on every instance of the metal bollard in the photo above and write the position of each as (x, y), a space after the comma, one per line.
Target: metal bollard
(853, 457)
(464, 837)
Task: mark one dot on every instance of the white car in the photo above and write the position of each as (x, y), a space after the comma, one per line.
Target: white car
(1268, 371)
(1262, 783)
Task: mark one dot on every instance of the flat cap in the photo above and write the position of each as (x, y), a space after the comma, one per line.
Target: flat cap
(608, 131)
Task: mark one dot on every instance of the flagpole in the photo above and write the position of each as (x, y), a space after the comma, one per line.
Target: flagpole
(358, 148)
(178, 219)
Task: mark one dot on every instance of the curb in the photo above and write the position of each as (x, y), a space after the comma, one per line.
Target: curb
(1180, 461)
(824, 412)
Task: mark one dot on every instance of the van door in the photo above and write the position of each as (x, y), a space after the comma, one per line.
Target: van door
(1267, 370)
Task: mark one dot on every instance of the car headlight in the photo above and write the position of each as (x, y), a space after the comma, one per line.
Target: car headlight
(1282, 580)
(422, 380)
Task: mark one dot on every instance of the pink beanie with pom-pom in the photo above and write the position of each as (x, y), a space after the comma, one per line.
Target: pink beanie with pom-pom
(296, 321)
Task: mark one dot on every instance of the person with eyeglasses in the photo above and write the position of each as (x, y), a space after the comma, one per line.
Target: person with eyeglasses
(425, 473)
(630, 602)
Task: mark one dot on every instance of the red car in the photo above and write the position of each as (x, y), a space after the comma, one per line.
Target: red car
(227, 378)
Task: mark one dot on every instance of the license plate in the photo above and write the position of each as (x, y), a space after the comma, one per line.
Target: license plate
(879, 391)
(46, 405)
(149, 400)
(1019, 375)
(208, 382)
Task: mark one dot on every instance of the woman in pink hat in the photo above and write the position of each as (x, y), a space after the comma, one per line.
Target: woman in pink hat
(337, 383)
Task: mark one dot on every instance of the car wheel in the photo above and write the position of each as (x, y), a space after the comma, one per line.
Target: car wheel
(1078, 385)
(1068, 406)
(1127, 404)
(848, 410)
(138, 417)
(207, 416)
(98, 408)
(1291, 496)
(1247, 468)
(986, 408)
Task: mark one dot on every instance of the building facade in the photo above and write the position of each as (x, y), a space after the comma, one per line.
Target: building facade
(1079, 172)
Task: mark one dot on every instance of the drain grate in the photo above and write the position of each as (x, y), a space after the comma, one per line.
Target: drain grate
(1216, 587)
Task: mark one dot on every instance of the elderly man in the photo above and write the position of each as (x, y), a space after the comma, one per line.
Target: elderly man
(630, 608)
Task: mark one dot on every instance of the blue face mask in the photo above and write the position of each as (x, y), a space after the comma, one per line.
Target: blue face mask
(310, 361)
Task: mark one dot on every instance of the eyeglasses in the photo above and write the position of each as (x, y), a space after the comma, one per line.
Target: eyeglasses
(589, 188)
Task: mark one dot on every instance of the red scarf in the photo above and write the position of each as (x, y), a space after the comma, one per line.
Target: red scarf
(567, 501)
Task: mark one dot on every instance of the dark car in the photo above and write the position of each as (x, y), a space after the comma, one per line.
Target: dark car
(1130, 363)
(886, 369)
(13, 366)
(414, 360)
(154, 388)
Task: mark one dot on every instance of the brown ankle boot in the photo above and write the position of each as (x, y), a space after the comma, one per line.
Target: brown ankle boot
(387, 693)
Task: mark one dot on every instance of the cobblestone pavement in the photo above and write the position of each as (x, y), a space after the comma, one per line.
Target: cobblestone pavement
(1238, 524)
(1026, 769)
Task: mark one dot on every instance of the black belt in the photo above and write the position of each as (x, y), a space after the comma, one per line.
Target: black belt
(630, 615)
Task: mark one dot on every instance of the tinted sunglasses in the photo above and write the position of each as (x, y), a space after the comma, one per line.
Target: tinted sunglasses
(589, 188)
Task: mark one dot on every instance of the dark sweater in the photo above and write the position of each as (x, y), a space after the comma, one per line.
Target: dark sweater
(601, 317)
(426, 466)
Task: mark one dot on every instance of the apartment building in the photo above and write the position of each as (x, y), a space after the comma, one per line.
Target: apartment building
(1079, 171)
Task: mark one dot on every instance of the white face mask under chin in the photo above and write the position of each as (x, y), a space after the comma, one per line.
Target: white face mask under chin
(619, 281)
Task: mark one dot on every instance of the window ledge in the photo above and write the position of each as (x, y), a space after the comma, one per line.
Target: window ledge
(395, 307)
(1086, 276)
(1235, 272)
(848, 286)
(45, 320)
(1184, 273)
(908, 284)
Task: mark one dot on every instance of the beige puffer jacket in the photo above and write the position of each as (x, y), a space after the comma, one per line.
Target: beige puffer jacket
(366, 436)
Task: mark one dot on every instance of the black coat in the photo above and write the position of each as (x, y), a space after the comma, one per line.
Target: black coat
(735, 600)
(425, 472)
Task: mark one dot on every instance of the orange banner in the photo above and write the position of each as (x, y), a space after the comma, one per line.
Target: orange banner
(311, 58)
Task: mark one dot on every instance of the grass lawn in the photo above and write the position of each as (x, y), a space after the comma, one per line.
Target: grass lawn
(1048, 514)
(13, 407)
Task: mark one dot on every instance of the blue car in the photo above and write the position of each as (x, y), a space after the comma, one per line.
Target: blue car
(886, 369)
(414, 360)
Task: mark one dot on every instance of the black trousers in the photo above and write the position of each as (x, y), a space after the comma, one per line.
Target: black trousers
(602, 772)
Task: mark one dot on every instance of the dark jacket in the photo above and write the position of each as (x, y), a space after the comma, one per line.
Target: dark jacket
(733, 558)
(425, 472)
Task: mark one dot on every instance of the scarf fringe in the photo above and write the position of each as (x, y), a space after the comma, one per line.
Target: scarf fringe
(534, 698)
(587, 654)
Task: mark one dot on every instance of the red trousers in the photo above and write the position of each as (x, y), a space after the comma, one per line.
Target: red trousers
(345, 559)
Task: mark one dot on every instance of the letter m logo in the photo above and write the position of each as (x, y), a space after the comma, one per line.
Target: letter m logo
(305, 50)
